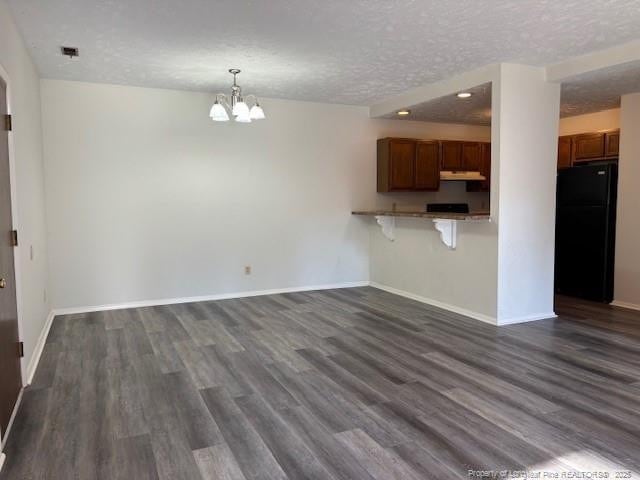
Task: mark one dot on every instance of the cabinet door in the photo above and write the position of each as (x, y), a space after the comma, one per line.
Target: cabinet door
(612, 144)
(564, 152)
(588, 146)
(485, 170)
(452, 156)
(471, 156)
(427, 166)
(402, 159)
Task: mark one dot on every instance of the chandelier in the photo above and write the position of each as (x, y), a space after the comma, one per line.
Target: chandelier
(236, 105)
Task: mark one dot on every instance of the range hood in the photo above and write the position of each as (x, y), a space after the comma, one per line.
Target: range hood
(464, 176)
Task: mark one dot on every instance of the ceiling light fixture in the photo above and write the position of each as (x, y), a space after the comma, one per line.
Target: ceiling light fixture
(464, 94)
(404, 112)
(235, 104)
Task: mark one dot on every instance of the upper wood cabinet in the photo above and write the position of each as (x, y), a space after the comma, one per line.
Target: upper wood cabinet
(451, 156)
(471, 156)
(565, 146)
(427, 169)
(485, 171)
(588, 146)
(612, 144)
(461, 156)
(408, 165)
(402, 159)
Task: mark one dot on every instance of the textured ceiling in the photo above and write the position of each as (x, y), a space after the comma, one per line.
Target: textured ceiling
(342, 51)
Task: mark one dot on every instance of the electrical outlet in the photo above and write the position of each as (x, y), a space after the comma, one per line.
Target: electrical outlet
(247, 270)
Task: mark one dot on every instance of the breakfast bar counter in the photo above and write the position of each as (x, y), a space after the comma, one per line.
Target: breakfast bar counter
(445, 222)
(431, 215)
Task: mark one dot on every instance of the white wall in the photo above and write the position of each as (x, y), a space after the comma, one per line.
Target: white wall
(591, 122)
(148, 199)
(29, 208)
(524, 163)
(627, 265)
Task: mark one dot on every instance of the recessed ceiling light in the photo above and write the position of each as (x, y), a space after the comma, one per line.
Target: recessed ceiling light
(464, 94)
(404, 112)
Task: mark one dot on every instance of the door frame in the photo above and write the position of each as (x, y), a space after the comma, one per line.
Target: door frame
(16, 250)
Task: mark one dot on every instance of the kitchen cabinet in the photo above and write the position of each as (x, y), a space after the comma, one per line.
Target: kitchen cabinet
(461, 156)
(402, 155)
(588, 146)
(451, 156)
(612, 144)
(484, 167)
(427, 169)
(471, 156)
(565, 151)
(408, 165)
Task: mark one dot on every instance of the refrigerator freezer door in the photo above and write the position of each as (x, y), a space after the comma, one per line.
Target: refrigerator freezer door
(584, 185)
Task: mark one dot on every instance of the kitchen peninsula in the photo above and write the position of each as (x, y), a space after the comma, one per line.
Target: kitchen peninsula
(445, 222)
(439, 245)
(431, 215)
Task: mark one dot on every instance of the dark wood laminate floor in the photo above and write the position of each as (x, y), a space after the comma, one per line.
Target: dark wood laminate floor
(342, 384)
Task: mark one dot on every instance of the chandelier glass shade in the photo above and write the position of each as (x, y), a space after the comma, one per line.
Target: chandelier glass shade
(234, 105)
(240, 109)
(218, 113)
(256, 112)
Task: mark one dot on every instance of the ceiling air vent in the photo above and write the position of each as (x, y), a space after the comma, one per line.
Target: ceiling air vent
(69, 51)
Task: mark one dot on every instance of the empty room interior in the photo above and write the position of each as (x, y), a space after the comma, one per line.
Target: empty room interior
(374, 240)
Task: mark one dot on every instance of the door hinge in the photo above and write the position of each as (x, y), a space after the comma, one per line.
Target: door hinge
(7, 123)
(21, 349)
(14, 238)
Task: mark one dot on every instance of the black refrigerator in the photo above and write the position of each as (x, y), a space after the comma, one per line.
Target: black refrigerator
(586, 231)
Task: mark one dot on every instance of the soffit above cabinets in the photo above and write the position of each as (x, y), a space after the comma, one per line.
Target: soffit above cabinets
(475, 110)
(599, 90)
(586, 93)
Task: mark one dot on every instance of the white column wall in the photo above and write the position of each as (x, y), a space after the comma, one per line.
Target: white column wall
(525, 138)
(627, 265)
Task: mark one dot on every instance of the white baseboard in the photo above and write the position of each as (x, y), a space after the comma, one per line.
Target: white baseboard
(37, 352)
(429, 301)
(5, 435)
(31, 370)
(527, 318)
(630, 306)
(203, 298)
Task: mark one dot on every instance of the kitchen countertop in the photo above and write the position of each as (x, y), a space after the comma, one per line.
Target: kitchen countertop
(419, 214)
